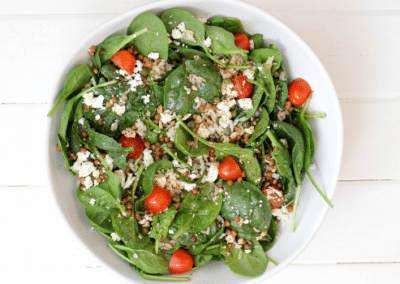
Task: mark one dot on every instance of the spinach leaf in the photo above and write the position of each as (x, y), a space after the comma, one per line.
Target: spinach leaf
(174, 17)
(272, 233)
(261, 55)
(127, 229)
(258, 40)
(186, 239)
(251, 264)
(270, 86)
(146, 259)
(197, 212)
(183, 141)
(111, 45)
(113, 148)
(249, 203)
(64, 150)
(250, 163)
(76, 80)
(175, 97)
(201, 259)
(109, 71)
(155, 40)
(161, 224)
(290, 132)
(283, 161)
(215, 237)
(188, 53)
(150, 172)
(261, 127)
(223, 42)
(233, 25)
(106, 196)
(282, 92)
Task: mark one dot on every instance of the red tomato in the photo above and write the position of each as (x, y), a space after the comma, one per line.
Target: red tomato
(299, 91)
(124, 60)
(229, 169)
(136, 143)
(243, 87)
(158, 200)
(242, 41)
(180, 262)
(274, 195)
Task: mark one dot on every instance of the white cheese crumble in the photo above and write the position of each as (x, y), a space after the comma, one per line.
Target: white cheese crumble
(153, 55)
(167, 116)
(207, 42)
(92, 201)
(81, 121)
(94, 102)
(115, 237)
(147, 158)
(176, 34)
(251, 44)
(109, 161)
(118, 109)
(246, 103)
(114, 126)
(281, 213)
(146, 99)
(212, 173)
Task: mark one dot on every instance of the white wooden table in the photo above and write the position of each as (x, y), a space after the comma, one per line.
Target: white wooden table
(358, 43)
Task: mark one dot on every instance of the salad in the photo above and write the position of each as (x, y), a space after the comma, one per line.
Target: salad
(189, 143)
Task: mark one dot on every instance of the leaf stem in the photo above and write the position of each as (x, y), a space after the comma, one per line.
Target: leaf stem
(135, 184)
(154, 126)
(119, 253)
(57, 105)
(169, 152)
(272, 261)
(318, 189)
(314, 116)
(162, 278)
(296, 203)
(209, 55)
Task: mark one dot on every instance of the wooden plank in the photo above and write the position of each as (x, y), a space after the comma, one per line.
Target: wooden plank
(353, 57)
(371, 139)
(368, 152)
(362, 226)
(354, 47)
(120, 6)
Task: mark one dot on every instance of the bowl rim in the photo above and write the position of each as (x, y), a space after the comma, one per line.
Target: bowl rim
(153, 5)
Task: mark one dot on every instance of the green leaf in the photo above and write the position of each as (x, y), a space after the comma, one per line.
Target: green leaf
(112, 45)
(197, 212)
(175, 97)
(245, 156)
(251, 264)
(76, 80)
(258, 40)
(223, 42)
(261, 55)
(249, 203)
(173, 17)
(150, 172)
(185, 143)
(261, 127)
(233, 25)
(113, 148)
(155, 40)
(161, 224)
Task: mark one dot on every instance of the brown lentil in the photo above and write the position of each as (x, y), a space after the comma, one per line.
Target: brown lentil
(84, 134)
(82, 187)
(237, 219)
(108, 104)
(233, 233)
(231, 246)
(227, 223)
(129, 212)
(81, 179)
(193, 239)
(128, 205)
(58, 148)
(230, 182)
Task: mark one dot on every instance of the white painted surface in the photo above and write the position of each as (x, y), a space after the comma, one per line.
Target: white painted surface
(357, 41)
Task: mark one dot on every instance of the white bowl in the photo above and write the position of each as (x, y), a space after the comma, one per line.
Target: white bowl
(299, 61)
